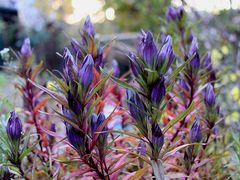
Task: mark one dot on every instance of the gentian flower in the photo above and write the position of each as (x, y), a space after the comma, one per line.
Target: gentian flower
(195, 132)
(134, 64)
(99, 58)
(195, 62)
(85, 73)
(76, 48)
(26, 51)
(157, 138)
(88, 27)
(14, 127)
(73, 103)
(136, 106)
(165, 53)
(174, 13)
(76, 138)
(171, 14)
(116, 70)
(70, 67)
(209, 96)
(183, 84)
(147, 48)
(158, 91)
(207, 63)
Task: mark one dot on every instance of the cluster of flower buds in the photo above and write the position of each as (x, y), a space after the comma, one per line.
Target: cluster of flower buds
(212, 109)
(96, 122)
(150, 68)
(84, 129)
(88, 44)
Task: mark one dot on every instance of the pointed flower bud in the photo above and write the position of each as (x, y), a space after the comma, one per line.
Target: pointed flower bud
(195, 132)
(158, 91)
(135, 66)
(70, 67)
(207, 63)
(174, 13)
(209, 95)
(14, 127)
(99, 58)
(85, 73)
(142, 148)
(135, 106)
(157, 137)
(96, 121)
(26, 51)
(116, 70)
(183, 84)
(171, 14)
(195, 62)
(146, 47)
(76, 48)
(165, 53)
(74, 105)
(76, 138)
(88, 27)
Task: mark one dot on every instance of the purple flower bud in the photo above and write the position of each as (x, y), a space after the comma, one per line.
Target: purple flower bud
(174, 13)
(93, 123)
(99, 59)
(136, 106)
(183, 84)
(88, 27)
(76, 48)
(195, 132)
(96, 121)
(171, 14)
(76, 138)
(74, 105)
(209, 96)
(207, 63)
(157, 137)
(86, 74)
(158, 91)
(165, 53)
(53, 129)
(14, 127)
(26, 51)
(146, 47)
(116, 70)
(70, 67)
(195, 62)
(142, 148)
(135, 66)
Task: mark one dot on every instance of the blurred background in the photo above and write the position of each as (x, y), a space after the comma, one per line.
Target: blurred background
(50, 24)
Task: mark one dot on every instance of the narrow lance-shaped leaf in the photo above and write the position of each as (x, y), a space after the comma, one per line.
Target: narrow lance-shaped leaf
(180, 117)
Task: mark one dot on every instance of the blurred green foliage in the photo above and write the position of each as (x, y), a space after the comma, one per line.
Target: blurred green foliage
(132, 15)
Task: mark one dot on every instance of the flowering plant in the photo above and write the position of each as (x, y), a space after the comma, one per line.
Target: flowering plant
(163, 121)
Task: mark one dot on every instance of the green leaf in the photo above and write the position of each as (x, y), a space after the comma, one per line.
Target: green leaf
(118, 81)
(98, 86)
(28, 150)
(179, 69)
(89, 113)
(180, 117)
(25, 142)
(152, 76)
